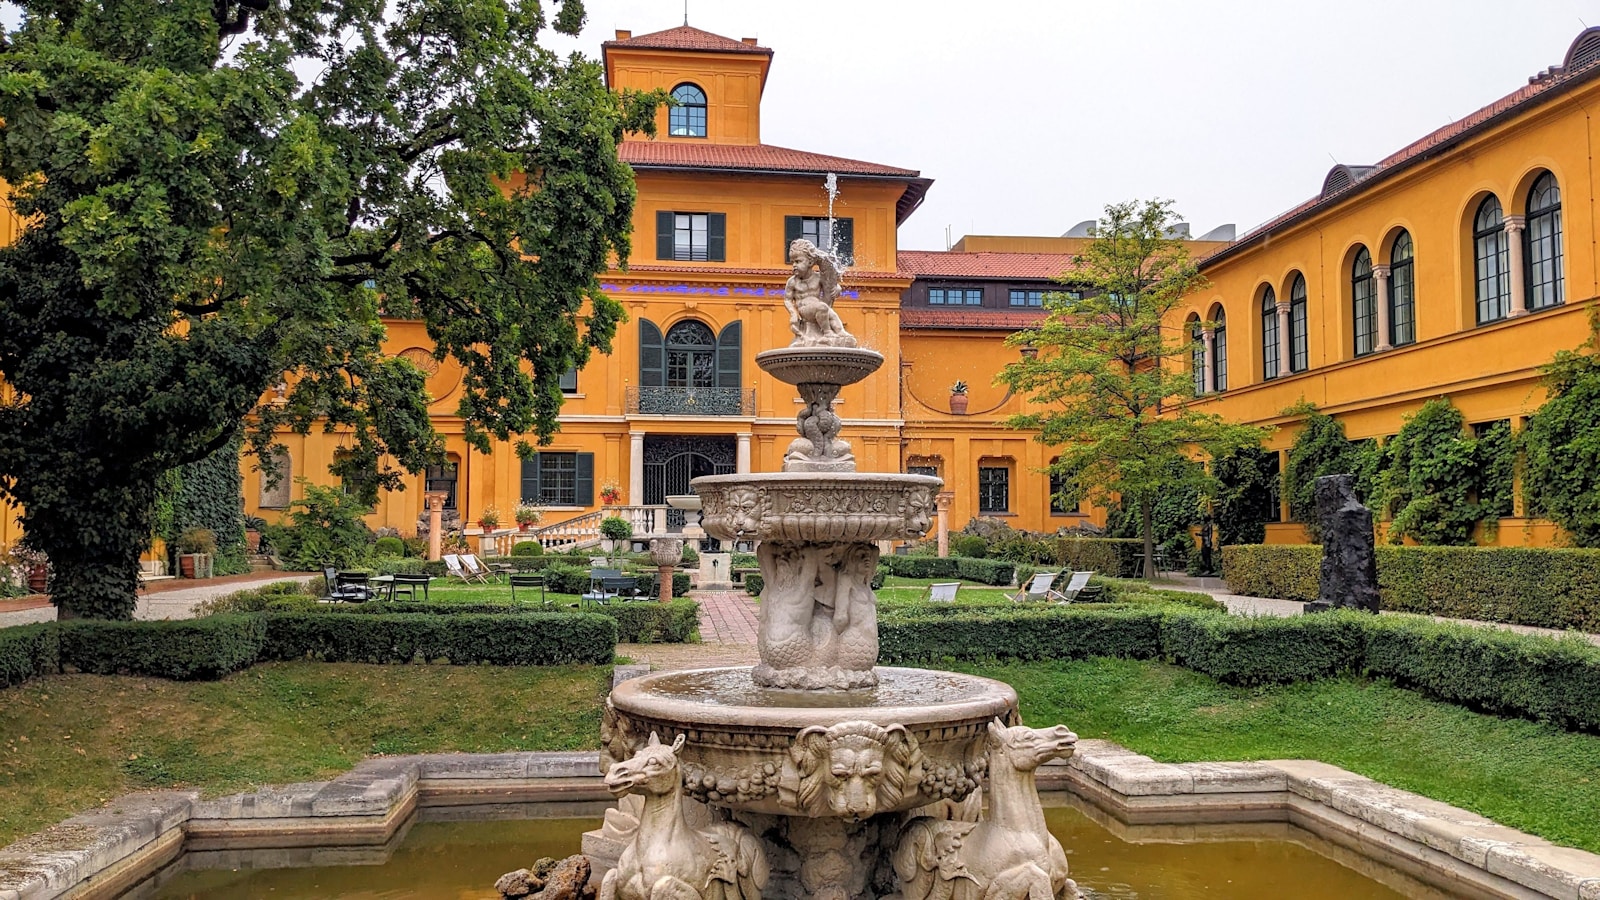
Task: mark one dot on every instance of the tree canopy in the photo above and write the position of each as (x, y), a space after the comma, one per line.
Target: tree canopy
(1108, 384)
(220, 196)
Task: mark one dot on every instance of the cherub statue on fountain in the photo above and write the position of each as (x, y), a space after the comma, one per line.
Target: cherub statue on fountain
(809, 295)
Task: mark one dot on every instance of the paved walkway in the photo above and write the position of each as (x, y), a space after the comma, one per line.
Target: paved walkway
(727, 636)
(174, 599)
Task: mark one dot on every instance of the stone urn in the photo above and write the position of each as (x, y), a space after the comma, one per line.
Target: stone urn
(666, 553)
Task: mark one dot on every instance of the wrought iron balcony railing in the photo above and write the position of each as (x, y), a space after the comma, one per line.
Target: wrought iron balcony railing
(691, 401)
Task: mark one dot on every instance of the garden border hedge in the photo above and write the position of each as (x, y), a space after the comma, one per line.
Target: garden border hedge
(1541, 586)
(638, 621)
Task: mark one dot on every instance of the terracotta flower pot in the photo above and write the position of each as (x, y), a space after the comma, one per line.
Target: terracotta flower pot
(38, 579)
(958, 404)
(524, 526)
(186, 564)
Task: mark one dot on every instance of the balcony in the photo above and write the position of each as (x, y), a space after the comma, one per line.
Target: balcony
(691, 401)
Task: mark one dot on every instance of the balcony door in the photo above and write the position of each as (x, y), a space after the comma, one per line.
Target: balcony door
(691, 356)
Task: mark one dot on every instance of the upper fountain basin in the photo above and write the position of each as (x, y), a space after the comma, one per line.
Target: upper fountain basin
(819, 365)
(817, 506)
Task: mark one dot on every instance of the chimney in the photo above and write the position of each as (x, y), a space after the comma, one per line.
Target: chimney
(750, 41)
(623, 34)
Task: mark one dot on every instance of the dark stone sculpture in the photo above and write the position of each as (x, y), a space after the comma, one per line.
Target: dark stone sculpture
(1349, 561)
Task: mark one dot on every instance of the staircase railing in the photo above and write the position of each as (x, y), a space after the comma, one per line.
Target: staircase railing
(584, 531)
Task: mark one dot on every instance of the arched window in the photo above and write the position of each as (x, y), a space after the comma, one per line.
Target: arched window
(688, 118)
(691, 355)
(1402, 292)
(1543, 237)
(1493, 262)
(1269, 333)
(1299, 327)
(1366, 306)
(1219, 352)
(1197, 355)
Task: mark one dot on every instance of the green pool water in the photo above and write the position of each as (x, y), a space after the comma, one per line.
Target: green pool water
(460, 860)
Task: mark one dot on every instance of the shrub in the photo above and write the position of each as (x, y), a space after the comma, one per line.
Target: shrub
(753, 583)
(325, 528)
(1541, 586)
(1116, 557)
(1265, 650)
(1024, 634)
(183, 650)
(389, 546)
(649, 622)
(196, 540)
(985, 571)
(27, 652)
(919, 566)
(968, 545)
(691, 557)
(398, 565)
(527, 548)
(505, 639)
(268, 596)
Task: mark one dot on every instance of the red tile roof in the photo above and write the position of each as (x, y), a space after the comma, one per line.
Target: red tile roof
(685, 37)
(986, 319)
(984, 264)
(747, 157)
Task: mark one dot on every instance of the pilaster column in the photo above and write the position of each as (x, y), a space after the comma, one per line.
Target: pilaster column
(941, 503)
(1285, 345)
(636, 467)
(741, 460)
(1209, 339)
(1519, 285)
(1380, 287)
(435, 501)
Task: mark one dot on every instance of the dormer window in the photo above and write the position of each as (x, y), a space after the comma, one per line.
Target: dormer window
(688, 117)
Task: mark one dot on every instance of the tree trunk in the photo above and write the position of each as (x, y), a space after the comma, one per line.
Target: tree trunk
(95, 554)
(1148, 528)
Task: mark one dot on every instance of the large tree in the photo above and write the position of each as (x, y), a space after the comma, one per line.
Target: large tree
(1108, 382)
(220, 196)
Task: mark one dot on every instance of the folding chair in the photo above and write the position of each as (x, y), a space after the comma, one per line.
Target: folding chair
(476, 566)
(408, 584)
(621, 586)
(1075, 585)
(528, 581)
(942, 592)
(598, 592)
(349, 587)
(1037, 589)
(454, 568)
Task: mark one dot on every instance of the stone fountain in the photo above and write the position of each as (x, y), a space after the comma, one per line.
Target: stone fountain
(817, 773)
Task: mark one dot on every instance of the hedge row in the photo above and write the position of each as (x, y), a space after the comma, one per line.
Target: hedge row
(1109, 556)
(640, 622)
(983, 571)
(1546, 587)
(1556, 681)
(214, 646)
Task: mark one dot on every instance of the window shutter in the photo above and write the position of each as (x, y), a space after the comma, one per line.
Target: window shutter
(585, 479)
(791, 233)
(530, 480)
(717, 237)
(652, 355)
(729, 354)
(844, 235)
(664, 234)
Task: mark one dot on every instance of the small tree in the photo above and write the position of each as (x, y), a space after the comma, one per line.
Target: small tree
(1107, 384)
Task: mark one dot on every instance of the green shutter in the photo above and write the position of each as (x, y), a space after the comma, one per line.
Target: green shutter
(530, 480)
(791, 233)
(844, 235)
(716, 237)
(652, 355)
(663, 235)
(585, 479)
(730, 353)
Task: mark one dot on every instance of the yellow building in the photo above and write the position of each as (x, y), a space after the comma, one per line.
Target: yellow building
(1456, 266)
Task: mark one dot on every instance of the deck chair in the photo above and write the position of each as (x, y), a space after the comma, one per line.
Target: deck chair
(1036, 589)
(528, 582)
(1075, 585)
(472, 563)
(943, 592)
(455, 569)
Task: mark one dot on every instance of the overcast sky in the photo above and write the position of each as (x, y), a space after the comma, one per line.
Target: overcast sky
(1031, 115)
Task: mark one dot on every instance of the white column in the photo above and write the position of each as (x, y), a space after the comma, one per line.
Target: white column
(636, 468)
(1285, 345)
(1208, 337)
(741, 461)
(1380, 287)
(1519, 286)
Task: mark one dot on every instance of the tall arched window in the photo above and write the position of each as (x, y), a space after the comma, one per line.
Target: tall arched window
(688, 118)
(1197, 355)
(1493, 262)
(1543, 243)
(1299, 327)
(1219, 352)
(691, 355)
(1402, 292)
(1366, 306)
(1269, 333)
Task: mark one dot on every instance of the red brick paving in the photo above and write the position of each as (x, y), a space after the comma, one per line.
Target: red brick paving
(727, 617)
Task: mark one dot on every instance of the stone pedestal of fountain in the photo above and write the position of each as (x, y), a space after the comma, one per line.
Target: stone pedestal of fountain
(816, 773)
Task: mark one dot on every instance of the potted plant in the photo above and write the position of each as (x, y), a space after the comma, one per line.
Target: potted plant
(196, 547)
(489, 519)
(958, 398)
(33, 565)
(253, 527)
(610, 494)
(527, 516)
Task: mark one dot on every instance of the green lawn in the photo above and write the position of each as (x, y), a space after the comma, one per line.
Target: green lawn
(71, 741)
(454, 590)
(1529, 776)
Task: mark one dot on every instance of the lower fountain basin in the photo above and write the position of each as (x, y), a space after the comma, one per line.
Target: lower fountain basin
(916, 738)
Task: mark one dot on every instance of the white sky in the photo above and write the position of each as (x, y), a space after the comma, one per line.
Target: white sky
(1031, 115)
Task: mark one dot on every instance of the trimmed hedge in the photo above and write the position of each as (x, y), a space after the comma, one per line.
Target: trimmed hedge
(28, 651)
(641, 622)
(183, 650)
(1025, 634)
(1546, 587)
(984, 571)
(1266, 650)
(506, 639)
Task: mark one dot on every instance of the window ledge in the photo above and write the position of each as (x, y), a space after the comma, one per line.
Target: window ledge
(997, 515)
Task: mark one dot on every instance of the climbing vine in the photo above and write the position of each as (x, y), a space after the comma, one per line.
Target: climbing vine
(1320, 448)
(1561, 475)
(1246, 496)
(1431, 480)
(209, 494)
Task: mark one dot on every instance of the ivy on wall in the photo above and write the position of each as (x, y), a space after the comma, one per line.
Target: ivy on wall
(1561, 475)
(1246, 496)
(209, 494)
(1320, 448)
(1432, 479)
